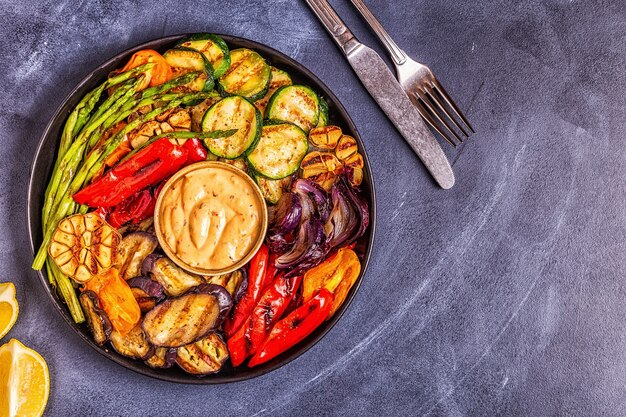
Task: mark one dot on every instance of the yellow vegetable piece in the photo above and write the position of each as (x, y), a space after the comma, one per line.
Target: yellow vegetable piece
(84, 245)
(321, 167)
(346, 147)
(325, 137)
(24, 381)
(8, 307)
(337, 274)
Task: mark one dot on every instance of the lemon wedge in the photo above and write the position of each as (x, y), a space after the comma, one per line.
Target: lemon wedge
(8, 307)
(24, 381)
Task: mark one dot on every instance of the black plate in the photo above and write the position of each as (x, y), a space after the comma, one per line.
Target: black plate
(42, 169)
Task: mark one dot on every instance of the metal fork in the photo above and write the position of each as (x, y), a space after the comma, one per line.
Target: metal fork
(427, 94)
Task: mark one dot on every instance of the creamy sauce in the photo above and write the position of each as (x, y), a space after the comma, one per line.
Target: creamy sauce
(210, 218)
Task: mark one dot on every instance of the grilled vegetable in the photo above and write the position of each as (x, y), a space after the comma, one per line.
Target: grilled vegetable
(84, 245)
(248, 75)
(268, 311)
(132, 344)
(214, 49)
(233, 113)
(179, 321)
(349, 217)
(324, 116)
(147, 167)
(279, 151)
(186, 60)
(135, 247)
(162, 358)
(279, 78)
(199, 110)
(174, 279)
(297, 104)
(135, 208)
(346, 147)
(147, 292)
(294, 328)
(256, 281)
(337, 274)
(325, 137)
(159, 72)
(237, 163)
(97, 319)
(116, 299)
(231, 281)
(272, 190)
(321, 168)
(206, 356)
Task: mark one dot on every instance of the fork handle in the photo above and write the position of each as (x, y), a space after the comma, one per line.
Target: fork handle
(340, 33)
(397, 54)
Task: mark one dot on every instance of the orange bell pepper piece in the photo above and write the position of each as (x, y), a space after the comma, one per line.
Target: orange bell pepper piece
(337, 274)
(116, 299)
(160, 73)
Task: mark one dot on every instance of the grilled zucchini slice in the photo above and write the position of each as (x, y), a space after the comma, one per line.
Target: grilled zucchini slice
(297, 104)
(248, 75)
(233, 112)
(279, 151)
(185, 60)
(279, 79)
(324, 116)
(272, 190)
(214, 49)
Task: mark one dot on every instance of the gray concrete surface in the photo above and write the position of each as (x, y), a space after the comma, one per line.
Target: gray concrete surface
(503, 296)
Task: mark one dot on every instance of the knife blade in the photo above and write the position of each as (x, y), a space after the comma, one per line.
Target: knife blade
(388, 94)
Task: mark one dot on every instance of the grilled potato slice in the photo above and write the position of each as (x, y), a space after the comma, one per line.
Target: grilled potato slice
(321, 167)
(84, 245)
(206, 356)
(325, 137)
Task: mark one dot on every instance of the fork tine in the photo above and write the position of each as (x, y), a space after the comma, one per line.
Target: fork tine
(426, 116)
(444, 94)
(426, 98)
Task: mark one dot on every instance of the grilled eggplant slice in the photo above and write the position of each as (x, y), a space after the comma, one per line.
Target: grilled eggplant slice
(162, 358)
(97, 319)
(175, 280)
(147, 292)
(231, 281)
(248, 75)
(297, 104)
(132, 344)
(84, 245)
(279, 151)
(182, 320)
(135, 247)
(204, 357)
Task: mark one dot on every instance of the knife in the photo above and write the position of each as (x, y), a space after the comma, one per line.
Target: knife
(387, 92)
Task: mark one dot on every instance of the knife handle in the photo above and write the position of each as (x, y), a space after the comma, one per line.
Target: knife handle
(338, 30)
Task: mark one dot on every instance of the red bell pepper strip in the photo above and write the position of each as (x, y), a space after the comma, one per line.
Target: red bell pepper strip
(256, 277)
(294, 328)
(147, 167)
(135, 208)
(269, 310)
(197, 151)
